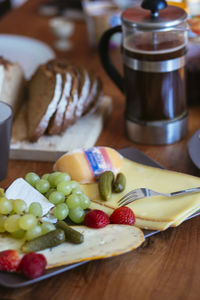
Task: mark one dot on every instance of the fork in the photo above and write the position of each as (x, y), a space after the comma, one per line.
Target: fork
(145, 192)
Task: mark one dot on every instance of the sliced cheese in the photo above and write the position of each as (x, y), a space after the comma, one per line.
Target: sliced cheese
(21, 189)
(109, 241)
(154, 212)
(86, 165)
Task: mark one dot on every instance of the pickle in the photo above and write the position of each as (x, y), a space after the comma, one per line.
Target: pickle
(48, 240)
(120, 183)
(71, 234)
(105, 185)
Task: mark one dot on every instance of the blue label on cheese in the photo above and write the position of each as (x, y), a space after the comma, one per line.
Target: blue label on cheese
(96, 160)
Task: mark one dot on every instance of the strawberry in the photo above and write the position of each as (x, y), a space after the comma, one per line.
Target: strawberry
(9, 260)
(122, 215)
(33, 265)
(96, 219)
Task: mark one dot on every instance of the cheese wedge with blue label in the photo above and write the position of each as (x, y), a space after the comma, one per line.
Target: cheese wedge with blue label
(153, 213)
(85, 165)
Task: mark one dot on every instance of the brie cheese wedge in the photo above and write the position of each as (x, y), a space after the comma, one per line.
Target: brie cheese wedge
(21, 189)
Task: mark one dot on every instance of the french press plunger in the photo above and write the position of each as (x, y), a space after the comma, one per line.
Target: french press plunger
(154, 40)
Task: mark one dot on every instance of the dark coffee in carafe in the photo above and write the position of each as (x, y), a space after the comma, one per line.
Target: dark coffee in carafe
(154, 95)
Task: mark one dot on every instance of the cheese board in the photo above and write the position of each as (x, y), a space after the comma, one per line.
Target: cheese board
(15, 280)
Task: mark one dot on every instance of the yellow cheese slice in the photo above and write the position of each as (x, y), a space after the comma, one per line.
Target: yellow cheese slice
(109, 241)
(154, 212)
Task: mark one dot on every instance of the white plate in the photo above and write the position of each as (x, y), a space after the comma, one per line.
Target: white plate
(28, 52)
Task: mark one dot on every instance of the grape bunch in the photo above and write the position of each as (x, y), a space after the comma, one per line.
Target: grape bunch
(64, 193)
(21, 221)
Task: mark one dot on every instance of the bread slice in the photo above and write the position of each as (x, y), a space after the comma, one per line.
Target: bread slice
(61, 66)
(45, 90)
(12, 84)
(19, 128)
(55, 125)
(94, 98)
(83, 92)
(70, 116)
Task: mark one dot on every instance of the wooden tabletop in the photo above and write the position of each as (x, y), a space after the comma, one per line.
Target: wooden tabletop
(166, 267)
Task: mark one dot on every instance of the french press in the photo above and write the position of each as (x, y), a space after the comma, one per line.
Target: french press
(154, 43)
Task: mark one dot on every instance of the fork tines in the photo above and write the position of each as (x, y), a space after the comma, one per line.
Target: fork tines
(125, 199)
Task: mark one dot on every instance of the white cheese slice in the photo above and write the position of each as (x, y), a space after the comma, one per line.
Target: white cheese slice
(21, 189)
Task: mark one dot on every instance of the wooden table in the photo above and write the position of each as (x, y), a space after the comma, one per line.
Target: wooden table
(166, 267)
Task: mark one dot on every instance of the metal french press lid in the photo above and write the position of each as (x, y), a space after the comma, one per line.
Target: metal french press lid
(154, 15)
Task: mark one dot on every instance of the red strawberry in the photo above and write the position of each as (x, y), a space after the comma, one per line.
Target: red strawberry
(33, 264)
(9, 260)
(96, 219)
(122, 215)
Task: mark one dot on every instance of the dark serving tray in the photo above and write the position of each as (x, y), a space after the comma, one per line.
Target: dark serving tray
(16, 280)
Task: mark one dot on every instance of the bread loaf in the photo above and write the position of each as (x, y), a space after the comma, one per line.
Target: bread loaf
(58, 94)
(12, 84)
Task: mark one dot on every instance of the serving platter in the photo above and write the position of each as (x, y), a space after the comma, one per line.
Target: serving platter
(16, 280)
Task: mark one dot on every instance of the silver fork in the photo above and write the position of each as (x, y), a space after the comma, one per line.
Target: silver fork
(144, 192)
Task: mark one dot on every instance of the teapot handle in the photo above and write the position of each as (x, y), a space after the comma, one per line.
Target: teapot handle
(105, 58)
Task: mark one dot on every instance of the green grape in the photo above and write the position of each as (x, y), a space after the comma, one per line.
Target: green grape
(62, 177)
(35, 209)
(47, 226)
(56, 197)
(61, 211)
(49, 192)
(52, 178)
(19, 234)
(64, 187)
(33, 232)
(45, 176)
(5, 206)
(2, 194)
(77, 190)
(11, 224)
(31, 178)
(77, 215)
(42, 186)
(74, 184)
(84, 201)
(73, 201)
(19, 206)
(27, 222)
(2, 221)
